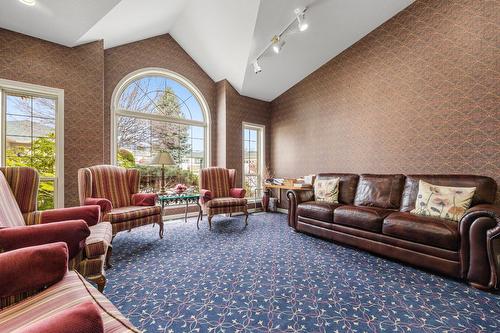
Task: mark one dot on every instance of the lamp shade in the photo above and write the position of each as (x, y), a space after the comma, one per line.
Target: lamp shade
(162, 158)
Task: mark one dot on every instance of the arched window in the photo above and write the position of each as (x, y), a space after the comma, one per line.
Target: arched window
(158, 110)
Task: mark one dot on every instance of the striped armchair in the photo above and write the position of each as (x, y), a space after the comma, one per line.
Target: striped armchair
(22, 225)
(218, 196)
(60, 300)
(115, 190)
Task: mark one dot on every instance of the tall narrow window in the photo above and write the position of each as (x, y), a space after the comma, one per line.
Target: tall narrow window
(30, 136)
(253, 158)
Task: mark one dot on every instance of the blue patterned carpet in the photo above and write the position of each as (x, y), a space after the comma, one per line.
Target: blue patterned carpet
(266, 278)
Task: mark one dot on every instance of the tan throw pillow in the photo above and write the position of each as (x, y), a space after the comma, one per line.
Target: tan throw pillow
(442, 201)
(327, 190)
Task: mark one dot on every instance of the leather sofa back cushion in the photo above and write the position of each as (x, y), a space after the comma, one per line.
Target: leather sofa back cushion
(383, 191)
(347, 185)
(486, 188)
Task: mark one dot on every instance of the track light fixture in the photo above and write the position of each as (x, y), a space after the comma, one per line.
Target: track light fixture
(301, 19)
(256, 67)
(28, 2)
(278, 41)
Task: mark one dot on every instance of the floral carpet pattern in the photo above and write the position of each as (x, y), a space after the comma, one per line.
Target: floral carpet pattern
(267, 278)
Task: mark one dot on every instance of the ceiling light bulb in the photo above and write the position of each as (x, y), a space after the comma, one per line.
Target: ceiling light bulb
(28, 2)
(256, 67)
(301, 20)
(278, 43)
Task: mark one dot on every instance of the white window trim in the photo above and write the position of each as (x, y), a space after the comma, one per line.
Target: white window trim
(261, 148)
(157, 71)
(23, 87)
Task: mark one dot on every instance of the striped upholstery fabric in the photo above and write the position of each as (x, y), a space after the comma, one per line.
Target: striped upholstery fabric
(33, 217)
(23, 182)
(99, 240)
(84, 185)
(131, 224)
(111, 182)
(10, 214)
(93, 269)
(216, 180)
(226, 210)
(134, 177)
(131, 213)
(226, 202)
(70, 291)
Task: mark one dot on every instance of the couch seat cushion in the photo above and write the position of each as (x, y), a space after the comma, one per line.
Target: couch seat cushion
(424, 230)
(226, 202)
(317, 210)
(70, 291)
(99, 240)
(131, 213)
(366, 218)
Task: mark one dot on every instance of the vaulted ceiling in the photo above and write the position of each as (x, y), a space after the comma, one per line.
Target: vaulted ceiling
(223, 36)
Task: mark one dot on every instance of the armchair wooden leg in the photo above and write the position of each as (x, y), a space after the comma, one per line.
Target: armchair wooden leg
(246, 217)
(210, 222)
(101, 283)
(108, 257)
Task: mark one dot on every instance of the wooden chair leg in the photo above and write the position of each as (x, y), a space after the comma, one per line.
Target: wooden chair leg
(246, 217)
(108, 257)
(101, 283)
(210, 222)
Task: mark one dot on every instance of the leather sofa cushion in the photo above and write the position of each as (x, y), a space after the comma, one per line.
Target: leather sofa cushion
(485, 193)
(383, 191)
(317, 210)
(422, 229)
(348, 183)
(366, 218)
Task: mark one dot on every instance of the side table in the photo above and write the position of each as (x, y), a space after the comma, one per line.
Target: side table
(180, 199)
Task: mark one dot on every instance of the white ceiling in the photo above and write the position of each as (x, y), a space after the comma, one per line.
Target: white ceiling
(222, 36)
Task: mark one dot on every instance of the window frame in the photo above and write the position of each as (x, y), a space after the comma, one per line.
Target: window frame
(23, 88)
(156, 71)
(261, 153)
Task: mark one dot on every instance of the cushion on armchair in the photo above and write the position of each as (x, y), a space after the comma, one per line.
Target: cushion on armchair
(82, 318)
(144, 199)
(237, 192)
(32, 268)
(105, 204)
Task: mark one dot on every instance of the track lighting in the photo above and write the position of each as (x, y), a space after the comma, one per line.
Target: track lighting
(301, 19)
(256, 67)
(28, 2)
(278, 40)
(278, 43)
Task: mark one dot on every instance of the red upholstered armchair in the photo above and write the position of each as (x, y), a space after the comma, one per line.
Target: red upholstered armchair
(22, 225)
(60, 300)
(218, 196)
(115, 190)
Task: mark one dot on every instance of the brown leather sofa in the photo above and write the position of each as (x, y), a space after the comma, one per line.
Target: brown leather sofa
(373, 214)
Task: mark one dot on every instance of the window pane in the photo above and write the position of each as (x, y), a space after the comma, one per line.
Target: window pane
(161, 96)
(253, 135)
(19, 105)
(46, 195)
(250, 185)
(139, 140)
(44, 107)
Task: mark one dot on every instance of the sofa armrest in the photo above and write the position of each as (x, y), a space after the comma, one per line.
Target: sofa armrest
(73, 233)
(144, 199)
(105, 204)
(83, 317)
(32, 268)
(205, 195)
(294, 199)
(237, 192)
(478, 228)
(90, 214)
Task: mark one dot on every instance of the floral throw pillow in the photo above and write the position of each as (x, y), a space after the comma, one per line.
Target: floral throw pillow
(327, 190)
(442, 201)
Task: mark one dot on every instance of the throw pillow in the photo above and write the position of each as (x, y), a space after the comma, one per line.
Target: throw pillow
(442, 201)
(327, 190)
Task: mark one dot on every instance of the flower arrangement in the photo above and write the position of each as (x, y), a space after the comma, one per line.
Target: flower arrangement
(180, 188)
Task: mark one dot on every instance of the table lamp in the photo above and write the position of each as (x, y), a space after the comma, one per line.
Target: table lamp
(162, 158)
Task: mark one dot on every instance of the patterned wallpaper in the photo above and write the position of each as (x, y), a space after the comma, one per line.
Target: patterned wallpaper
(241, 109)
(79, 72)
(160, 51)
(420, 94)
